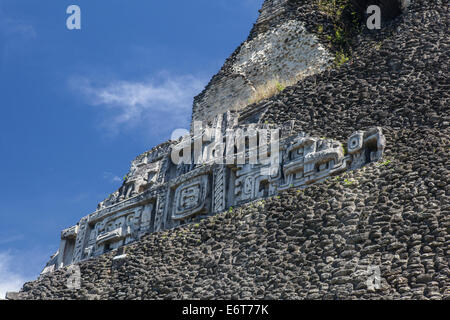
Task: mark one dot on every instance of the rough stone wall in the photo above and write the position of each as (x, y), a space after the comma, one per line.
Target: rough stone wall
(285, 46)
(270, 10)
(320, 243)
(398, 78)
(389, 8)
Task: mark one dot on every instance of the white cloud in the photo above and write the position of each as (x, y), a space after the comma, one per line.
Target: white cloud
(10, 279)
(111, 177)
(15, 27)
(160, 103)
(116, 179)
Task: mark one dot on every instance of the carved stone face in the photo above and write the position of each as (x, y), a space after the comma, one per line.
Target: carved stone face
(119, 223)
(189, 197)
(355, 142)
(133, 220)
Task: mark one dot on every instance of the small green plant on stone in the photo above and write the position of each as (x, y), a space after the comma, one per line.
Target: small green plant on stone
(355, 19)
(280, 87)
(385, 163)
(345, 25)
(348, 182)
(344, 149)
(340, 58)
(339, 35)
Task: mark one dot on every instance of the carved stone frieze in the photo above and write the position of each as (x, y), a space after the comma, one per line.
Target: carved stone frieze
(158, 194)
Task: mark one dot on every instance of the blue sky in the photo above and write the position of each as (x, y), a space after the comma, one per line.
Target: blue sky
(78, 106)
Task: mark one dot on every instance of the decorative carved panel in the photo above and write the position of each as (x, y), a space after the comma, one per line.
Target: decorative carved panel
(190, 198)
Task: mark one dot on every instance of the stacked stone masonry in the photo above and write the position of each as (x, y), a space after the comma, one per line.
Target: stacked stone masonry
(320, 242)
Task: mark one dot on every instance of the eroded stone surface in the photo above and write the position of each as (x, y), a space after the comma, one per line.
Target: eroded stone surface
(284, 53)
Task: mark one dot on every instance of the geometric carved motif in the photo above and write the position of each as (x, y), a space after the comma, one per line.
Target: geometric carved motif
(190, 198)
(219, 189)
(255, 181)
(309, 160)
